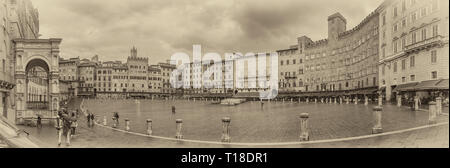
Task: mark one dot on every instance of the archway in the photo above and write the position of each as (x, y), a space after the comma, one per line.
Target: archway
(37, 86)
(37, 78)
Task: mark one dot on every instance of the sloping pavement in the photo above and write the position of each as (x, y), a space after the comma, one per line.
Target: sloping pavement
(436, 136)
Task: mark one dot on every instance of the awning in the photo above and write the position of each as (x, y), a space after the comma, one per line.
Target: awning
(426, 85)
(405, 87)
(368, 91)
(443, 85)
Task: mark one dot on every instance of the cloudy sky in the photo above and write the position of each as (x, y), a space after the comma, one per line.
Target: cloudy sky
(159, 28)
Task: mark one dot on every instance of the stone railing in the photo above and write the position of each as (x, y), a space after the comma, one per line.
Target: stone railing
(13, 137)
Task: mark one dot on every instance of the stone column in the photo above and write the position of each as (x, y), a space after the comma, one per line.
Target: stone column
(356, 100)
(127, 124)
(347, 99)
(321, 100)
(179, 123)
(377, 128)
(307, 100)
(335, 100)
(315, 100)
(438, 105)
(432, 113)
(226, 129)
(416, 103)
(399, 101)
(304, 130)
(340, 100)
(105, 121)
(366, 100)
(149, 127)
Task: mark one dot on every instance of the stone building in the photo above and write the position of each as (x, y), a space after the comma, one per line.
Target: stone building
(290, 68)
(137, 73)
(18, 20)
(154, 80)
(346, 62)
(414, 46)
(86, 79)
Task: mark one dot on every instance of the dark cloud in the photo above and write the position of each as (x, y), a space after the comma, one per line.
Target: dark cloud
(160, 28)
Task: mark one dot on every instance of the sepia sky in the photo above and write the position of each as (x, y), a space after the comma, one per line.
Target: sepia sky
(159, 28)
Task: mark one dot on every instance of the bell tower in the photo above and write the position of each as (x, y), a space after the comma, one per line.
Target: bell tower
(336, 24)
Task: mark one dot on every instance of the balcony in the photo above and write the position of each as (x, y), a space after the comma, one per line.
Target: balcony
(430, 42)
(6, 81)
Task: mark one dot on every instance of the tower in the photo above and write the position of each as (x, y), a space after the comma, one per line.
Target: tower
(134, 52)
(336, 24)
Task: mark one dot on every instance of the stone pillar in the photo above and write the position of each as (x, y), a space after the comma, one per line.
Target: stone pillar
(347, 99)
(105, 121)
(304, 130)
(432, 113)
(127, 124)
(292, 100)
(315, 100)
(356, 100)
(299, 100)
(438, 105)
(149, 127)
(340, 100)
(399, 101)
(380, 100)
(321, 100)
(377, 128)
(179, 123)
(366, 100)
(226, 129)
(416, 103)
(335, 100)
(307, 100)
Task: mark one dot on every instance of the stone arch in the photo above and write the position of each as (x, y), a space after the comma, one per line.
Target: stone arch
(39, 59)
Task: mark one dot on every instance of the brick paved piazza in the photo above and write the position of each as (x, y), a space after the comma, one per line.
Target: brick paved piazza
(275, 122)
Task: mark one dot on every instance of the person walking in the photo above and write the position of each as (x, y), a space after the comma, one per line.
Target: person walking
(39, 122)
(89, 120)
(116, 116)
(59, 127)
(92, 117)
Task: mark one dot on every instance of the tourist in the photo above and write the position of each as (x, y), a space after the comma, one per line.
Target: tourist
(59, 126)
(92, 120)
(74, 124)
(39, 122)
(89, 120)
(173, 110)
(116, 117)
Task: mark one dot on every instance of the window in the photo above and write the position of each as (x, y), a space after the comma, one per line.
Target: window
(384, 20)
(435, 30)
(383, 51)
(403, 43)
(412, 61)
(287, 62)
(395, 12)
(434, 5)
(413, 78)
(404, 23)
(294, 61)
(423, 12)
(433, 56)
(383, 69)
(424, 34)
(434, 75)
(281, 62)
(403, 79)
(395, 46)
(413, 38)
(395, 27)
(403, 64)
(413, 17)
(395, 66)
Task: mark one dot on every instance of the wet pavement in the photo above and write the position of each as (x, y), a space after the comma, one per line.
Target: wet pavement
(98, 137)
(275, 122)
